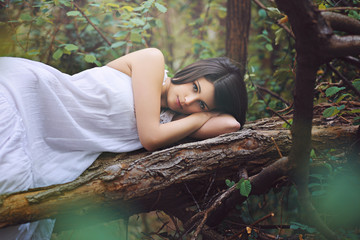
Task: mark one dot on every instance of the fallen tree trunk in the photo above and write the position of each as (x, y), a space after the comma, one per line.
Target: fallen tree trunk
(125, 184)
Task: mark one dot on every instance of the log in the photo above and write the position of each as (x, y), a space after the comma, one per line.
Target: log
(125, 184)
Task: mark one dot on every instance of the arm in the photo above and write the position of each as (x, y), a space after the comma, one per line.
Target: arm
(146, 68)
(215, 126)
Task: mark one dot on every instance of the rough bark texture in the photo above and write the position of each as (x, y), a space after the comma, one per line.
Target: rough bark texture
(237, 30)
(125, 184)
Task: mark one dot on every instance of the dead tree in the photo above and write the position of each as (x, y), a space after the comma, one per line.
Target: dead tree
(126, 184)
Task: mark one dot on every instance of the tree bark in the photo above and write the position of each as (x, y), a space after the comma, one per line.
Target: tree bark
(237, 30)
(315, 44)
(126, 184)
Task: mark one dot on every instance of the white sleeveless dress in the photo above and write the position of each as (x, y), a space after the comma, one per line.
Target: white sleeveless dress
(53, 126)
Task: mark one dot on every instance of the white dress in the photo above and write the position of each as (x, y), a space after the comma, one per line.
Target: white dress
(54, 125)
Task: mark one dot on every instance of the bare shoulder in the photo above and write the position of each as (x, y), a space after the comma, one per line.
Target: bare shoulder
(151, 57)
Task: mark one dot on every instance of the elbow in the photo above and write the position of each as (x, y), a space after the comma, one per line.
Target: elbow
(149, 147)
(150, 144)
(232, 126)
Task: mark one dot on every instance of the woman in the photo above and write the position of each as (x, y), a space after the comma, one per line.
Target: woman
(53, 126)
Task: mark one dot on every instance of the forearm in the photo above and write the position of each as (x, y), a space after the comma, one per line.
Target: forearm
(169, 133)
(224, 123)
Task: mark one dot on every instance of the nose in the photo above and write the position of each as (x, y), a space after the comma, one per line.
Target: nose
(190, 99)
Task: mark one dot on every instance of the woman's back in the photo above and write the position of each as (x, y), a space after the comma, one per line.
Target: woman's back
(69, 118)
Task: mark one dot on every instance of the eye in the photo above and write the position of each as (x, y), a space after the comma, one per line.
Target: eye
(195, 87)
(202, 105)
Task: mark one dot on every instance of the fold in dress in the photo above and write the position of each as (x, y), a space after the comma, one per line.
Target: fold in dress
(54, 125)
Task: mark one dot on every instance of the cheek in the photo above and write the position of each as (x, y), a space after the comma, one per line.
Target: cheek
(194, 108)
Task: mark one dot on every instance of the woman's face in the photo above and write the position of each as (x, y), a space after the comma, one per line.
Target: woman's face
(191, 97)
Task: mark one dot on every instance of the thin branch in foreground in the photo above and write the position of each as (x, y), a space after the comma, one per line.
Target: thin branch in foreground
(192, 196)
(352, 60)
(91, 23)
(282, 25)
(347, 83)
(272, 94)
(282, 118)
(206, 213)
(277, 147)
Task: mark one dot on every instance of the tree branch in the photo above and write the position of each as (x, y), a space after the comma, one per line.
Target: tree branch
(340, 22)
(346, 82)
(342, 46)
(352, 60)
(91, 23)
(313, 37)
(127, 184)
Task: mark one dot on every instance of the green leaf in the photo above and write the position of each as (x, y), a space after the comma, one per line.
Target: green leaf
(90, 58)
(356, 84)
(137, 9)
(312, 153)
(73, 13)
(66, 3)
(135, 37)
(339, 99)
(329, 112)
(57, 54)
(287, 126)
(355, 111)
(161, 7)
(33, 52)
(118, 44)
(245, 188)
(121, 34)
(340, 107)
(98, 63)
(128, 8)
(148, 3)
(269, 47)
(279, 34)
(322, 6)
(113, 5)
(229, 183)
(333, 90)
(40, 21)
(138, 21)
(238, 184)
(262, 13)
(356, 121)
(25, 17)
(95, 20)
(158, 23)
(296, 225)
(273, 12)
(71, 47)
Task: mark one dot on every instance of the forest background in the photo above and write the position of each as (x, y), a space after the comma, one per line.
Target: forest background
(76, 35)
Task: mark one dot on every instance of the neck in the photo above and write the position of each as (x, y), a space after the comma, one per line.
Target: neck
(164, 92)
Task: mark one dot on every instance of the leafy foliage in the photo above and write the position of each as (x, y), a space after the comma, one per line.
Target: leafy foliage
(77, 34)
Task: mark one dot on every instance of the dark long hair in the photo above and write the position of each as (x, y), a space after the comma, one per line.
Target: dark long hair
(230, 90)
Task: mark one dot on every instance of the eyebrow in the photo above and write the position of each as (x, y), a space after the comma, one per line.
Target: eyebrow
(200, 92)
